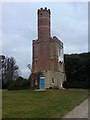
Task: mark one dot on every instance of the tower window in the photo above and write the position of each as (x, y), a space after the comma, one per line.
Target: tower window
(41, 14)
(53, 81)
(35, 81)
(51, 60)
(59, 52)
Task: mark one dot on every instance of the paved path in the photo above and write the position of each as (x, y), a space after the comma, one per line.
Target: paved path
(80, 111)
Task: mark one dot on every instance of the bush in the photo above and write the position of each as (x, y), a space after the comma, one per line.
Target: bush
(19, 84)
(77, 67)
(76, 84)
(6, 84)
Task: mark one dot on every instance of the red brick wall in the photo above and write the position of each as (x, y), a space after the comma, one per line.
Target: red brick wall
(43, 23)
(43, 56)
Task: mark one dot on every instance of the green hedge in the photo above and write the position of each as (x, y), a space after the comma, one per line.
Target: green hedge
(77, 68)
(76, 84)
(19, 84)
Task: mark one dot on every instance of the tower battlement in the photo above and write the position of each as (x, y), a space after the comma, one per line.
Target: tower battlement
(43, 9)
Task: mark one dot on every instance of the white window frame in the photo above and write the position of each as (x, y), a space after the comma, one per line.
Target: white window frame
(60, 54)
(35, 81)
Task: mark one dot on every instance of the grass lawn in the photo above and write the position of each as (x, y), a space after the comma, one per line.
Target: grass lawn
(46, 104)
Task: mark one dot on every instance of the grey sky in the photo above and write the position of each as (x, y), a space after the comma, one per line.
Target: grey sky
(69, 22)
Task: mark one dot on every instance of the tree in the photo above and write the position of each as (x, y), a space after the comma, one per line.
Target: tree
(30, 67)
(9, 69)
(77, 70)
(2, 60)
(12, 69)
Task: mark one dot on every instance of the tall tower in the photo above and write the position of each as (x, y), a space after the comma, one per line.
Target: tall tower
(47, 55)
(43, 39)
(43, 23)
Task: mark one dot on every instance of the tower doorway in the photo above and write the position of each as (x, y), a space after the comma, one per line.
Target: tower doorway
(42, 82)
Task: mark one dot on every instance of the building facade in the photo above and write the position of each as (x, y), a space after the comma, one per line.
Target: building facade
(48, 55)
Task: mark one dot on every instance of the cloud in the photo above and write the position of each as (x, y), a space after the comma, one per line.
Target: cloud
(72, 27)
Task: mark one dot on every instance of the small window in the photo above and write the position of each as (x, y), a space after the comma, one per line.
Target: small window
(35, 82)
(59, 52)
(53, 81)
(51, 60)
(41, 14)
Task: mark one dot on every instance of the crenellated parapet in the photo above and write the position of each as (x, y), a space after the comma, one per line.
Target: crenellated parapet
(43, 10)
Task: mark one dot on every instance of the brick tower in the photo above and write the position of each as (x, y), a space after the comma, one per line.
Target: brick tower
(43, 24)
(41, 59)
(47, 54)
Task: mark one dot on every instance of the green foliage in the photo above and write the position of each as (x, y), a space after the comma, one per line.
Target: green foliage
(19, 84)
(76, 84)
(77, 67)
(6, 84)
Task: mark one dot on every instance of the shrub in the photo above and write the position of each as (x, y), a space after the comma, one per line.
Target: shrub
(19, 84)
(76, 84)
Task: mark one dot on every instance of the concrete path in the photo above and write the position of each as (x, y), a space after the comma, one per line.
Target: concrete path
(80, 111)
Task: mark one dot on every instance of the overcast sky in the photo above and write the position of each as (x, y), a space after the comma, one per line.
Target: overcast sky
(69, 22)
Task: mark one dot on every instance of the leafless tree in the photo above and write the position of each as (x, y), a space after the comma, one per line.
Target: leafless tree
(8, 69)
(30, 67)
